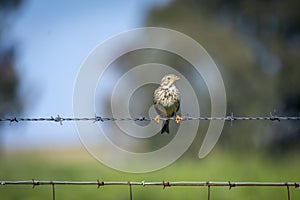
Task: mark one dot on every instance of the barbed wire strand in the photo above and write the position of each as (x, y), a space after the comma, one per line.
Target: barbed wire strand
(164, 184)
(229, 118)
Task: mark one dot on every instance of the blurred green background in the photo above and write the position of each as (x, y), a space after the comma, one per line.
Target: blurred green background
(255, 45)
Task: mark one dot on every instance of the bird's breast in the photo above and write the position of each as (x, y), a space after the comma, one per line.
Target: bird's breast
(167, 97)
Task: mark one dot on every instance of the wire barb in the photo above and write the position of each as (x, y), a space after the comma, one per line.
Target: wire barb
(166, 184)
(13, 120)
(231, 185)
(98, 118)
(143, 183)
(100, 183)
(274, 117)
(35, 183)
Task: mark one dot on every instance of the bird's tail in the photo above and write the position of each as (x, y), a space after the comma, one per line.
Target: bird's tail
(165, 127)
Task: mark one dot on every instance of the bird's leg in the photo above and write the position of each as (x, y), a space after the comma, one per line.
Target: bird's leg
(178, 119)
(157, 119)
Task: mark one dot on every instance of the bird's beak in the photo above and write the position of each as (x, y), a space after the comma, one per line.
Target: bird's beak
(176, 78)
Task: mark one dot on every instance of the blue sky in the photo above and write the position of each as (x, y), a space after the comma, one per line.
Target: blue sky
(54, 38)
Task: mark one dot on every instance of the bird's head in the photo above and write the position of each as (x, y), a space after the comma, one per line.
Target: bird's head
(168, 80)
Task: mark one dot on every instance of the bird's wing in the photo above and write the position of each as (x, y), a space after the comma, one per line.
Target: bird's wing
(177, 105)
(160, 110)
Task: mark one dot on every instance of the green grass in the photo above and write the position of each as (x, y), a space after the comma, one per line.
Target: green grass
(78, 165)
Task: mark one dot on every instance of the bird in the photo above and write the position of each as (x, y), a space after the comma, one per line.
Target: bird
(166, 100)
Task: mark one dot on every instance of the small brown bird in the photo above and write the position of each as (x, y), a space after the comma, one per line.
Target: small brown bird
(167, 100)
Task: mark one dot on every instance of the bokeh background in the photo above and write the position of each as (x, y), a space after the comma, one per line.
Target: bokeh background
(255, 44)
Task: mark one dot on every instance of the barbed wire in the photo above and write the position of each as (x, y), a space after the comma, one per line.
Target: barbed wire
(97, 118)
(163, 184)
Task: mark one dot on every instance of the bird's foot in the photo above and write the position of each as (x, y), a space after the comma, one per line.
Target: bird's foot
(178, 119)
(157, 119)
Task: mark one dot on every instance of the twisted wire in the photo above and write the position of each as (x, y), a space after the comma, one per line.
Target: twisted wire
(164, 184)
(96, 118)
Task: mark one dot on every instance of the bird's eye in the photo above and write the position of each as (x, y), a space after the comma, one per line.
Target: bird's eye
(168, 78)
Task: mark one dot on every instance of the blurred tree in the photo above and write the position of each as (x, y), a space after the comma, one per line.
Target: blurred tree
(10, 102)
(256, 46)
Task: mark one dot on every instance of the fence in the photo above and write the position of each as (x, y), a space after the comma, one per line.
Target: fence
(163, 184)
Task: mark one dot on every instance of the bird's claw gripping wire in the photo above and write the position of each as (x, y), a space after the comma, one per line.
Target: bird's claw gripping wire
(157, 119)
(178, 119)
